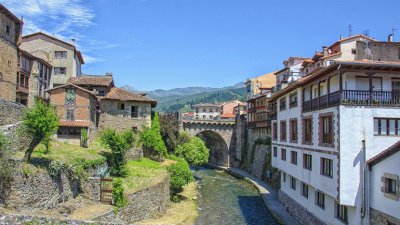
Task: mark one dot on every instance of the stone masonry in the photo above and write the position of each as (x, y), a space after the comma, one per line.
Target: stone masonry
(379, 218)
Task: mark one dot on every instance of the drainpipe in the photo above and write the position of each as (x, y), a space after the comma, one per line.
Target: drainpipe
(363, 183)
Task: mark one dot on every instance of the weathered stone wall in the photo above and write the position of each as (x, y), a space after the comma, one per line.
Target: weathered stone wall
(379, 218)
(91, 188)
(17, 140)
(119, 123)
(23, 219)
(38, 190)
(8, 69)
(10, 112)
(298, 211)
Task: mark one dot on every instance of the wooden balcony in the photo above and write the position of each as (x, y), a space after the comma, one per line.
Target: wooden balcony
(354, 98)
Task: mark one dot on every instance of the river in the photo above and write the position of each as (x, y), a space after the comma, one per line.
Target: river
(225, 199)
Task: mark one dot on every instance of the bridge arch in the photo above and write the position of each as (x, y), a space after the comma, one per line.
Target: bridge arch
(219, 148)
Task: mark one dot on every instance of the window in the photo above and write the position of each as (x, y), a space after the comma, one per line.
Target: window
(283, 131)
(275, 131)
(70, 97)
(211, 117)
(282, 103)
(353, 51)
(386, 126)
(284, 176)
(134, 111)
(293, 183)
(60, 54)
(341, 212)
(121, 106)
(293, 100)
(307, 130)
(102, 93)
(8, 30)
(60, 70)
(327, 129)
(70, 114)
(293, 130)
(283, 154)
(293, 157)
(211, 110)
(204, 109)
(307, 161)
(304, 190)
(320, 199)
(390, 186)
(327, 167)
(204, 116)
(275, 152)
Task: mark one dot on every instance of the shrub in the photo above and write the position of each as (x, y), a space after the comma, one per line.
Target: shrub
(195, 152)
(180, 175)
(6, 169)
(119, 143)
(41, 122)
(152, 140)
(85, 138)
(169, 129)
(118, 194)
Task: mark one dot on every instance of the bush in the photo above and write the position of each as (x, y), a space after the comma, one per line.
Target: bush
(41, 122)
(169, 129)
(152, 140)
(85, 138)
(119, 143)
(6, 169)
(180, 175)
(195, 152)
(118, 194)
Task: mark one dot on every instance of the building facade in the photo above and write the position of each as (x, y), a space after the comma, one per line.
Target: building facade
(10, 34)
(322, 121)
(64, 57)
(207, 111)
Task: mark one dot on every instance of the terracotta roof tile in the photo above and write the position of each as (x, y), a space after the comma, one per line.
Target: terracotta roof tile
(227, 115)
(123, 95)
(92, 80)
(74, 123)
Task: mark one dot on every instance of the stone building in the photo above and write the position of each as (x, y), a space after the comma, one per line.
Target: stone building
(33, 79)
(121, 109)
(77, 109)
(64, 57)
(10, 33)
(100, 85)
(320, 123)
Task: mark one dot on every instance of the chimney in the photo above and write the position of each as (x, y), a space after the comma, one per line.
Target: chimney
(325, 50)
(390, 38)
(73, 41)
(340, 37)
(109, 74)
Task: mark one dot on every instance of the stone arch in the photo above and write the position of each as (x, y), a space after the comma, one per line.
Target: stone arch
(219, 147)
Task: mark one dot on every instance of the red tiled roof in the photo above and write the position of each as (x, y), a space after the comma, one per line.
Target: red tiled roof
(384, 154)
(123, 95)
(73, 123)
(227, 115)
(92, 80)
(71, 85)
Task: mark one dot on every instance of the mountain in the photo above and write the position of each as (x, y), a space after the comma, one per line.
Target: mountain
(179, 98)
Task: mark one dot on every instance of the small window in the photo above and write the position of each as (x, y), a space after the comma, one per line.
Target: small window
(293, 183)
(307, 130)
(121, 106)
(293, 130)
(282, 103)
(275, 152)
(293, 100)
(327, 167)
(70, 97)
(70, 114)
(283, 154)
(341, 212)
(304, 190)
(307, 161)
(102, 93)
(60, 54)
(275, 131)
(283, 131)
(60, 70)
(8, 30)
(293, 157)
(353, 51)
(386, 126)
(320, 199)
(204, 109)
(327, 129)
(284, 176)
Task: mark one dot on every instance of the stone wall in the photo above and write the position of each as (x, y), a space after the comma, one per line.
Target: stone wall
(91, 188)
(23, 219)
(299, 212)
(379, 218)
(8, 69)
(10, 112)
(38, 190)
(119, 122)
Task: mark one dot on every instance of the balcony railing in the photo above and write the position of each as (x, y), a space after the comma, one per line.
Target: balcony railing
(355, 98)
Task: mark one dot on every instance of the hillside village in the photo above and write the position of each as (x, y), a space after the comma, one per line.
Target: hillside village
(318, 139)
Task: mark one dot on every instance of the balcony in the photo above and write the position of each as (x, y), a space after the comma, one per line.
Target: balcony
(354, 98)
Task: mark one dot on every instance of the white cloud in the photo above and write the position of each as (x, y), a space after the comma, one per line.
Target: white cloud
(91, 59)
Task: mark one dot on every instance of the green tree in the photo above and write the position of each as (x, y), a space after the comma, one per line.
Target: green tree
(180, 175)
(119, 143)
(41, 122)
(6, 170)
(118, 194)
(152, 140)
(195, 152)
(169, 129)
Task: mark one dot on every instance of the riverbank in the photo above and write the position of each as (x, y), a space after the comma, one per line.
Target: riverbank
(268, 194)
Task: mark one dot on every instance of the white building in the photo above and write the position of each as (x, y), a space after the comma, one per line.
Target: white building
(322, 120)
(384, 172)
(207, 111)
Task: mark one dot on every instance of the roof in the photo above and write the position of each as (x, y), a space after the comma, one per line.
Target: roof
(79, 54)
(227, 115)
(10, 15)
(92, 80)
(123, 95)
(332, 55)
(352, 37)
(208, 105)
(384, 154)
(73, 123)
(70, 85)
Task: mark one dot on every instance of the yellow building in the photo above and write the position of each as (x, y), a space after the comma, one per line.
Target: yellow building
(264, 81)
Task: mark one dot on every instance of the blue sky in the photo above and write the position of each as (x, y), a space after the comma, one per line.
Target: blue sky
(151, 44)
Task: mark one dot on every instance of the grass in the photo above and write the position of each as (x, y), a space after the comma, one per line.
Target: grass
(142, 174)
(184, 212)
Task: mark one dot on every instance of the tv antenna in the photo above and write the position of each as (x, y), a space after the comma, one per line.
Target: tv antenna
(350, 31)
(366, 33)
(393, 30)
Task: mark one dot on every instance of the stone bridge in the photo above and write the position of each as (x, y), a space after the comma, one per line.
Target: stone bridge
(218, 136)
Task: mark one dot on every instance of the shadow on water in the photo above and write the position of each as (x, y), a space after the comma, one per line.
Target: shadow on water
(252, 207)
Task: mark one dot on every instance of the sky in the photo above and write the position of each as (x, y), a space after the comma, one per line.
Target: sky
(164, 44)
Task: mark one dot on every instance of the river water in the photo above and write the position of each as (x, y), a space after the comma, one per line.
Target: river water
(225, 199)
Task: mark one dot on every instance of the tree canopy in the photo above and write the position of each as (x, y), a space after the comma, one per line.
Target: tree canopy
(195, 151)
